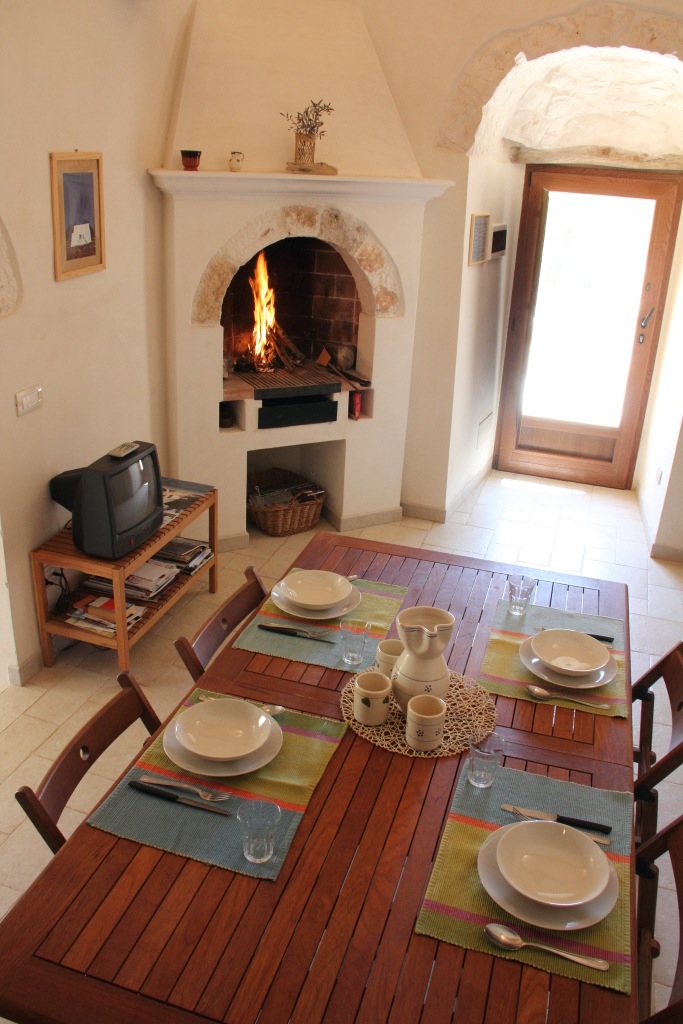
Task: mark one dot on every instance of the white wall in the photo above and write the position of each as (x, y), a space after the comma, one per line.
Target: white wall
(661, 451)
(94, 76)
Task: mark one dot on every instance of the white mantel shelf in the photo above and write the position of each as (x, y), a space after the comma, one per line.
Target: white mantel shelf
(241, 185)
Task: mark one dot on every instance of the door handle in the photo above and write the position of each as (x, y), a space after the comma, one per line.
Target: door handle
(643, 322)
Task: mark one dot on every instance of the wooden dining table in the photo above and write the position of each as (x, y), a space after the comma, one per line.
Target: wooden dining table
(116, 931)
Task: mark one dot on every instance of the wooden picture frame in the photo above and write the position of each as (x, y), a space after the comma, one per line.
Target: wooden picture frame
(77, 213)
(479, 238)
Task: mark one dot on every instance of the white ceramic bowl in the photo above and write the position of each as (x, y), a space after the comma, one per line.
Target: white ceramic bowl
(552, 863)
(569, 652)
(223, 730)
(315, 588)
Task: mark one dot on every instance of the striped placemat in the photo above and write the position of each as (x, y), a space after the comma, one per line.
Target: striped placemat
(379, 604)
(502, 671)
(456, 906)
(309, 741)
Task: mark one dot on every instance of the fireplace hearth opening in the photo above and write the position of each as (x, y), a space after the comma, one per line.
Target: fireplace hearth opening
(292, 304)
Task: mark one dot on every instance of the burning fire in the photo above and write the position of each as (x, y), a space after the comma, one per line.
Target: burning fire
(264, 316)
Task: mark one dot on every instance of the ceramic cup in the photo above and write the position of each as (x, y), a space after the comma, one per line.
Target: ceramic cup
(371, 697)
(485, 756)
(236, 160)
(425, 718)
(190, 158)
(520, 591)
(388, 652)
(354, 635)
(258, 821)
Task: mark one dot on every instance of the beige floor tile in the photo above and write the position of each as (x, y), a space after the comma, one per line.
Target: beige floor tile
(654, 636)
(665, 603)
(461, 537)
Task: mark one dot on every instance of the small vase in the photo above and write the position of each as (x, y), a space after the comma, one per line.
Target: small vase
(304, 148)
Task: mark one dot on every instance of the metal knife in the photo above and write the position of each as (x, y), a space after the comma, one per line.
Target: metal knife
(175, 798)
(564, 819)
(291, 631)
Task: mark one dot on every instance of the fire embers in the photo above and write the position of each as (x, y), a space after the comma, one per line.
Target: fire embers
(270, 346)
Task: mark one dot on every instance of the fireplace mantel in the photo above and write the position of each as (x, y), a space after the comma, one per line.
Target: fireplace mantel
(241, 185)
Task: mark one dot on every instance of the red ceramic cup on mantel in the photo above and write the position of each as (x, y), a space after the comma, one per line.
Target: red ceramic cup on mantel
(190, 158)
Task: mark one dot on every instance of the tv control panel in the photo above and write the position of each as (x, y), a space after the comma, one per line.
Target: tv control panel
(123, 449)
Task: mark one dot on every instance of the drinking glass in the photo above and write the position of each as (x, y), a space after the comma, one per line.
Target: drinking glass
(354, 634)
(258, 822)
(521, 589)
(485, 756)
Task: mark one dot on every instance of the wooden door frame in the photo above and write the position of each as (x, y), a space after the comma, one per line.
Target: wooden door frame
(508, 455)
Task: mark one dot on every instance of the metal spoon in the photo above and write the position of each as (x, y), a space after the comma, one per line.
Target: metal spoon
(506, 938)
(270, 709)
(540, 694)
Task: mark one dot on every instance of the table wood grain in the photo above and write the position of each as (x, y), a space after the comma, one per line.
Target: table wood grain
(114, 931)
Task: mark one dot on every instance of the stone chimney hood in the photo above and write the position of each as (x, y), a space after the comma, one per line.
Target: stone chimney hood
(247, 61)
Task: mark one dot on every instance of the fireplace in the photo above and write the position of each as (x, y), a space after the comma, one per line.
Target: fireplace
(219, 429)
(365, 223)
(290, 330)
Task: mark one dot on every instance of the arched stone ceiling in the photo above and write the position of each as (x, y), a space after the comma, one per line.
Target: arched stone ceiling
(598, 105)
(595, 25)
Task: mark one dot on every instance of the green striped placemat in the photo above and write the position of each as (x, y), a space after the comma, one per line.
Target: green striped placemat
(309, 741)
(456, 905)
(379, 605)
(502, 671)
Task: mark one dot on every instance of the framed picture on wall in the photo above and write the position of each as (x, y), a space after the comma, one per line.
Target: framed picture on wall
(479, 238)
(77, 213)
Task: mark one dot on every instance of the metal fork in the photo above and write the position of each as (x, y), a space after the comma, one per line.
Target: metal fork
(204, 794)
(527, 817)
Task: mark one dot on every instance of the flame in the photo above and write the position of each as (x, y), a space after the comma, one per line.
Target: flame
(264, 315)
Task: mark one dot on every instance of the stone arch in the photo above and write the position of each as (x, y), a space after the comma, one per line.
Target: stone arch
(608, 24)
(11, 291)
(375, 273)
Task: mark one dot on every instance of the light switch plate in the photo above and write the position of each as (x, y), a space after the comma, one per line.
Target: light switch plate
(28, 399)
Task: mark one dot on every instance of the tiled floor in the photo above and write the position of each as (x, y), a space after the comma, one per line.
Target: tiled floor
(587, 530)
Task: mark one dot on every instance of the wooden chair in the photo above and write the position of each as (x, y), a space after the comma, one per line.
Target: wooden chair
(669, 839)
(651, 770)
(198, 652)
(44, 806)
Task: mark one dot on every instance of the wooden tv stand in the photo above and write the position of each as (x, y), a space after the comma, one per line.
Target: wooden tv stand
(61, 553)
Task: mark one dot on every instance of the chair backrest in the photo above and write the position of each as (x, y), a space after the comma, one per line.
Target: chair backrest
(669, 839)
(652, 769)
(44, 806)
(198, 652)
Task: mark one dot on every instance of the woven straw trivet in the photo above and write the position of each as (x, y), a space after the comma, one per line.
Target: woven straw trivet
(470, 712)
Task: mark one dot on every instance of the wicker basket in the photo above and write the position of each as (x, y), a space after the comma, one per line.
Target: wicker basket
(292, 514)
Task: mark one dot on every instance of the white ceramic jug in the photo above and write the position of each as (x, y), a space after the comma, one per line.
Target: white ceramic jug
(422, 668)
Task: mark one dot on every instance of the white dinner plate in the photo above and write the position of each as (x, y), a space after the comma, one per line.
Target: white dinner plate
(569, 651)
(315, 588)
(222, 769)
(552, 863)
(589, 682)
(561, 919)
(223, 730)
(343, 608)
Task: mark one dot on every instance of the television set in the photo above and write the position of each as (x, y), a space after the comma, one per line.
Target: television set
(116, 503)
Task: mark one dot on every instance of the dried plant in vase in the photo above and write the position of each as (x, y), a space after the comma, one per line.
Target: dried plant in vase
(308, 126)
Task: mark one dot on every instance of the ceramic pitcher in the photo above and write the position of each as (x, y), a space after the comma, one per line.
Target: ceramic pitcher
(422, 668)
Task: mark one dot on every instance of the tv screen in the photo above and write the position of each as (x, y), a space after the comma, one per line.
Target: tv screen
(116, 502)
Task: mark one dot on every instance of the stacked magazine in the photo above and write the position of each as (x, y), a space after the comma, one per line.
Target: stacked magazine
(144, 584)
(98, 614)
(186, 554)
